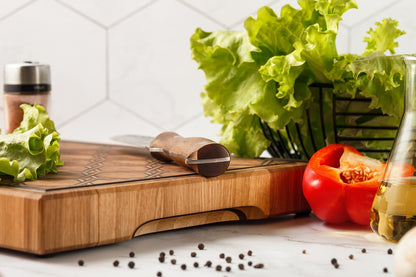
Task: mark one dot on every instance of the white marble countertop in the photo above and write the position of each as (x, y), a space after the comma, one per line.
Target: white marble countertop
(278, 244)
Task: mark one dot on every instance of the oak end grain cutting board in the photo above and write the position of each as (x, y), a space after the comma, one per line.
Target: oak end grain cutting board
(107, 193)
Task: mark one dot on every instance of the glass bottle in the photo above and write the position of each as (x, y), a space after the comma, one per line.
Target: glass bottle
(24, 83)
(394, 207)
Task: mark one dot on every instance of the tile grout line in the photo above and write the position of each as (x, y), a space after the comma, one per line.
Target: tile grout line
(18, 9)
(131, 14)
(81, 113)
(81, 14)
(202, 13)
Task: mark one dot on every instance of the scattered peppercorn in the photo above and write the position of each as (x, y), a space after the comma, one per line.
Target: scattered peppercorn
(171, 252)
(228, 259)
(250, 263)
(222, 256)
(351, 256)
(159, 274)
(228, 269)
(241, 266)
(80, 262)
(303, 251)
(363, 250)
(218, 268)
(116, 263)
(131, 264)
(183, 266)
(241, 256)
(201, 246)
(193, 254)
(131, 254)
(162, 254)
(385, 270)
(250, 252)
(259, 266)
(162, 259)
(208, 264)
(334, 261)
(336, 265)
(389, 251)
(173, 261)
(196, 264)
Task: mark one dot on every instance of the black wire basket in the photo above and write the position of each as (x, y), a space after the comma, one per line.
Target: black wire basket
(334, 119)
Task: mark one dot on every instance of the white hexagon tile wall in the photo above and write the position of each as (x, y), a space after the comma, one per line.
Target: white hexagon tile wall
(124, 66)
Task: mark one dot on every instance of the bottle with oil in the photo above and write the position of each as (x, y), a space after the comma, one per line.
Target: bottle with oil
(394, 207)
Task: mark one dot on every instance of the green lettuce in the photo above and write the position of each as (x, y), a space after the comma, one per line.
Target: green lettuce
(263, 75)
(32, 150)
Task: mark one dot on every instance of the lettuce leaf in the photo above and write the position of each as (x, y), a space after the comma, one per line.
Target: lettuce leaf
(32, 150)
(263, 74)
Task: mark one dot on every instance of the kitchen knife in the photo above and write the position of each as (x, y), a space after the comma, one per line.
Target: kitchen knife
(202, 155)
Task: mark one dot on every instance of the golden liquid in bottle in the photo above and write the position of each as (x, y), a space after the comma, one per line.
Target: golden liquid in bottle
(394, 208)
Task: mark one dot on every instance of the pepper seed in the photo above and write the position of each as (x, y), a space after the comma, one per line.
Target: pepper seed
(385, 270)
(193, 254)
(334, 261)
(250, 252)
(228, 259)
(241, 266)
(131, 264)
(159, 274)
(116, 263)
(351, 257)
(201, 246)
(208, 264)
(389, 251)
(218, 268)
(259, 266)
(162, 254)
(250, 263)
(363, 250)
(131, 254)
(171, 252)
(173, 261)
(303, 251)
(81, 262)
(228, 269)
(241, 256)
(162, 259)
(222, 255)
(183, 266)
(196, 264)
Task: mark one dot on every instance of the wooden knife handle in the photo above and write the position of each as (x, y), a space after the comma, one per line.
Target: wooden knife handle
(202, 155)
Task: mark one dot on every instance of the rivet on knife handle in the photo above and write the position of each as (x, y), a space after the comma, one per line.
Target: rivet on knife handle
(204, 156)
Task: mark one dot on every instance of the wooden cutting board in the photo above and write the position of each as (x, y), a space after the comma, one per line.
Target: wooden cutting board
(106, 193)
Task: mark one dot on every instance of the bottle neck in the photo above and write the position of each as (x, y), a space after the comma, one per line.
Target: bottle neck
(410, 83)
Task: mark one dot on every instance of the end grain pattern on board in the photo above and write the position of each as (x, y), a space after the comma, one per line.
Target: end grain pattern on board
(109, 193)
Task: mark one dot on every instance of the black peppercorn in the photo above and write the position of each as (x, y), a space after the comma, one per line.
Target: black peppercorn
(336, 265)
(131, 264)
(241, 256)
(196, 264)
(159, 274)
(250, 252)
(162, 254)
(131, 254)
(259, 266)
(201, 246)
(241, 266)
(116, 263)
(208, 264)
(228, 259)
(193, 254)
(171, 252)
(385, 270)
(222, 256)
(250, 263)
(80, 262)
(334, 261)
(183, 266)
(389, 251)
(218, 268)
(303, 251)
(173, 261)
(363, 250)
(162, 259)
(228, 269)
(351, 257)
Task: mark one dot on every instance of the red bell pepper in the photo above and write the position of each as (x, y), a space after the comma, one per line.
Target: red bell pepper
(340, 183)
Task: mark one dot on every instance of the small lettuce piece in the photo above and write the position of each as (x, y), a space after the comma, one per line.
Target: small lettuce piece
(32, 150)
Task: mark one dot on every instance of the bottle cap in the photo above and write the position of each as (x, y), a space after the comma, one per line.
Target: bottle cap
(27, 77)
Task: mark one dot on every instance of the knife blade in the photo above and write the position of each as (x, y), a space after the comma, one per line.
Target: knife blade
(204, 156)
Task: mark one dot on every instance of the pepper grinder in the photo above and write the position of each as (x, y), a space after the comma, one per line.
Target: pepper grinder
(24, 83)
